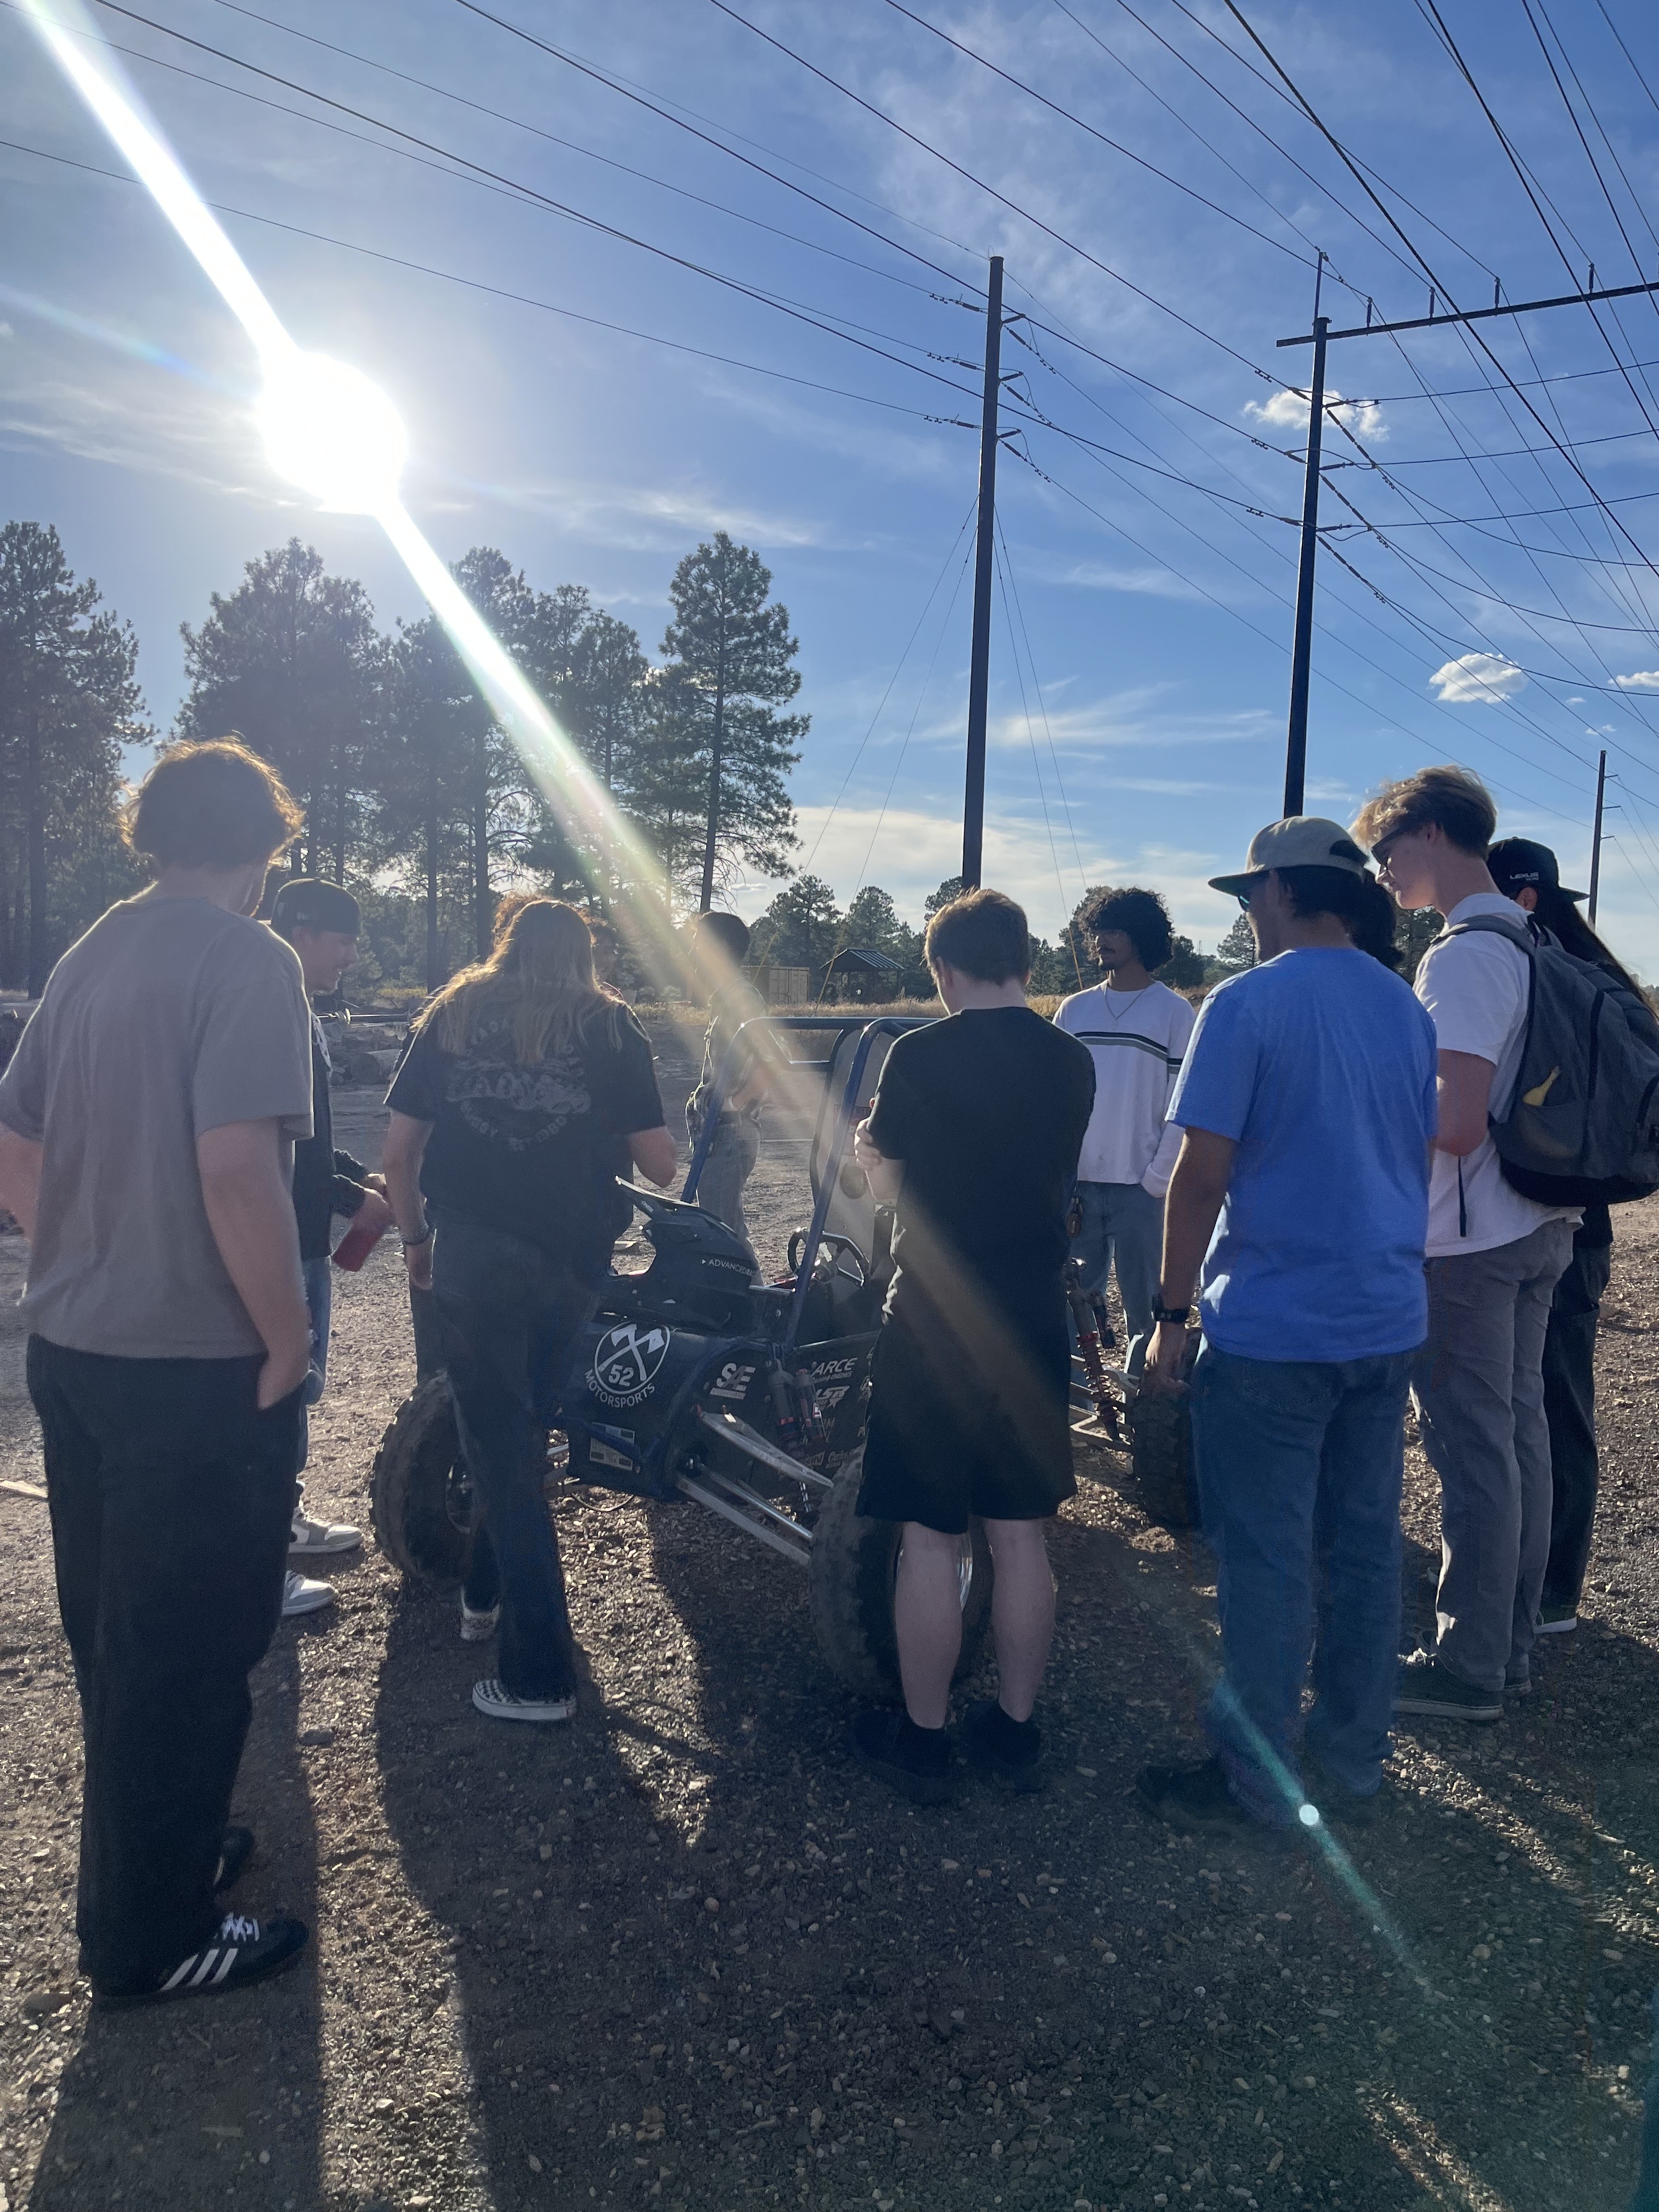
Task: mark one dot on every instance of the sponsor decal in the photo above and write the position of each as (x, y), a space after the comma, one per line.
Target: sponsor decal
(833, 1370)
(604, 1455)
(625, 1363)
(832, 1397)
(735, 1376)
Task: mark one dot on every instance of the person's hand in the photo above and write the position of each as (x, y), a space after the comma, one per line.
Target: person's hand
(375, 1212)
(864, 1151)
(1162, 1375)
(417, 1258)
(286, 1367)
(375, 1182)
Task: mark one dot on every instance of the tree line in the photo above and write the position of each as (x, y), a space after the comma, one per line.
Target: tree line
(412, 792)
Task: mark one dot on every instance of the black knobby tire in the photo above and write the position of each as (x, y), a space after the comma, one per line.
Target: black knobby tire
(854, 1565)
(416, 1501)
(1161, 1437)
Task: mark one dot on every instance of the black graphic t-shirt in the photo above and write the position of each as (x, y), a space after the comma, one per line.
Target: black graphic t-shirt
(534, 1151)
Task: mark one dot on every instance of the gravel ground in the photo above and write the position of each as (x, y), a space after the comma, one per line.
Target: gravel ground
(683, 1955)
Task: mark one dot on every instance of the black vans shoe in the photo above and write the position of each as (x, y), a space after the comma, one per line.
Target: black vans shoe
(1010, 1750)
(242, 1951)
(1424, 1686)
(915, 1761)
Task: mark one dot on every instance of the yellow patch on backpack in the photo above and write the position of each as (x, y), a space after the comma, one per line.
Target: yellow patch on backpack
(1539, 1091)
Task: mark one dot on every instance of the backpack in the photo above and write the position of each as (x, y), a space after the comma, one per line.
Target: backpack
(1582, 1127)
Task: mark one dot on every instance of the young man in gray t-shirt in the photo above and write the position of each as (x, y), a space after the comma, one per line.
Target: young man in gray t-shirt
(147, 1128)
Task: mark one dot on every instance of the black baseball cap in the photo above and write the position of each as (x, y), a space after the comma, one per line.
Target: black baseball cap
(1517, 864)
(307, 902)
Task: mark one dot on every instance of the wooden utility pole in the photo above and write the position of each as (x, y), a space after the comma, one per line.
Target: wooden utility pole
(979, 670)
(1296, 742)
(1596, 839)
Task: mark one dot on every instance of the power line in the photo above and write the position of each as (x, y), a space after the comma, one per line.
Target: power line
(497, 291)
(529, 194)
(1054, 108)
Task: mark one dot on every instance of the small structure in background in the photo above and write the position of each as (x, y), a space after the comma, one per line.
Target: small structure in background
(863, 976)
(780, 986)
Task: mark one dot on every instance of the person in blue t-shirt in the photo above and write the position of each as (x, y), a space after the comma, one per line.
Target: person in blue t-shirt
(1307, 1102)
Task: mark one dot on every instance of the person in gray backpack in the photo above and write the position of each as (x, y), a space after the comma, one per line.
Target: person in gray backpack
(1494, 1255)
(1528, 874)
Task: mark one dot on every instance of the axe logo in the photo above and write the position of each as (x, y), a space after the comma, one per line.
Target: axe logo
(625, 1363)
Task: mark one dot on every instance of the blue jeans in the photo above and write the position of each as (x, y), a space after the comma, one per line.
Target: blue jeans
(1299, 1465)
(511, 1314)
(319, 1305)
(1121, 1222)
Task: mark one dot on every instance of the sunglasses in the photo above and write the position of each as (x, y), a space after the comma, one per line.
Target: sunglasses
(1245, 896)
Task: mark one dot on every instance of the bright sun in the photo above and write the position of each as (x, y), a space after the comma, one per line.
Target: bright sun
(330, 431)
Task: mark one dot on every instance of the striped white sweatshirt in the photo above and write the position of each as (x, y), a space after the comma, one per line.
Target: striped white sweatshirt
(1138, 1039)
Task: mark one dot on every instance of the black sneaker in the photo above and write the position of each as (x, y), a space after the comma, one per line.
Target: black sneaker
(235, 1849)
(1335, 1801)
(1424, 1686)
(915, 1761)
(242, 1951)
(1196, 1799)
(1010, 1750)
(1557, 1620)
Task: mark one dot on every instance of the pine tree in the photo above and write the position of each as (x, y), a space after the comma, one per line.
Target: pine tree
(292, 659)
(732, 652)
(69, 701)
(1237, 950)
(801, 928)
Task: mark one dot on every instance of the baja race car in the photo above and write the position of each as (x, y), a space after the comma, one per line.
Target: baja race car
(698, 1382)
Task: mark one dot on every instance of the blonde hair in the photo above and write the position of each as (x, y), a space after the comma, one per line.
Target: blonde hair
(1459, 802)
(538, 980)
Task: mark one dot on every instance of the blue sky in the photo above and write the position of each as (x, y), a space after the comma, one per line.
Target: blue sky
(1141, 735)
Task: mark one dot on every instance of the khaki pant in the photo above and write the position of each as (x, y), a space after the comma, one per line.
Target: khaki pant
(1479, 1382)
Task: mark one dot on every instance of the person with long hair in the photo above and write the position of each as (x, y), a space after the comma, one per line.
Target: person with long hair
(525, 1093)
(1530, 874)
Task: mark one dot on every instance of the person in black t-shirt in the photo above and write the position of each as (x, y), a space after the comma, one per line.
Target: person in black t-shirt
(525, 1092)
(974, 1134)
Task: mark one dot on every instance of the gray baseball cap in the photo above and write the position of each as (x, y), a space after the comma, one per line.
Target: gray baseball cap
(1300, 840)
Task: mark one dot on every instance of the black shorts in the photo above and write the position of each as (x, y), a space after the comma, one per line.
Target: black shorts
(970, 1419)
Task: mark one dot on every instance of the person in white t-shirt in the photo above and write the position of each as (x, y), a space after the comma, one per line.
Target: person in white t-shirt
(1137, 1030)
(1494, 1257)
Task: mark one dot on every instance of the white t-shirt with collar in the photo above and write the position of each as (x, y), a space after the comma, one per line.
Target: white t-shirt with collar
(1476, 988)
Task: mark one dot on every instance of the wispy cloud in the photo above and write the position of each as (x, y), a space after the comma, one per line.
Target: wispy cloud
(1645, 679)
(1476, 679)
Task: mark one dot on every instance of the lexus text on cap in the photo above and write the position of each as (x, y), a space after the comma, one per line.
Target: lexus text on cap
(307, 902)
(1517, 864)
(1300, 840)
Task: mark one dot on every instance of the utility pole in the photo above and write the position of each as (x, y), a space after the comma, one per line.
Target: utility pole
(1296, 750)
(1296, 743)
(1596, 839)
(979, 672)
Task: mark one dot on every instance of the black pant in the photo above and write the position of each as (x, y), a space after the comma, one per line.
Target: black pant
(1569, 1407)
(170, 1498)
(511, 1312)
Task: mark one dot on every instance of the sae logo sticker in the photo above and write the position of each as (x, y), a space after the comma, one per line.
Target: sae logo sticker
(625, 1363)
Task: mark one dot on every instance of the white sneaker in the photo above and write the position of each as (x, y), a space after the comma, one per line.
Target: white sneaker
(500, 1705)
(314, 1539)
(299, 1596)
(478, 1627)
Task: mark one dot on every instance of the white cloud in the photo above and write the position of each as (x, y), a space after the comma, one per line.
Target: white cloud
(1288, 411)
(1476, 679)
(1645, 679)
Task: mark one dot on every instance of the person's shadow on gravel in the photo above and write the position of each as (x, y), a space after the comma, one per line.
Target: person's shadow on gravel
(165, 2107)
(532, 1848)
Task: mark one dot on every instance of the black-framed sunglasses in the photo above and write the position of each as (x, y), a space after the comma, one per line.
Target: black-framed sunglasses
(1245, 896)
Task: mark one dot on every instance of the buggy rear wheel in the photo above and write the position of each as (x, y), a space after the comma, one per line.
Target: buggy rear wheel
(854, 1563)
(420, 1500)
(1161, 1438)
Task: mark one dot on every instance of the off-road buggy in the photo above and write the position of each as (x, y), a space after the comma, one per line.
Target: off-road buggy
(698, 1382)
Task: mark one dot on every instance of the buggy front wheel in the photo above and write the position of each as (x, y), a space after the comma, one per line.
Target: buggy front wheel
(854, 1566)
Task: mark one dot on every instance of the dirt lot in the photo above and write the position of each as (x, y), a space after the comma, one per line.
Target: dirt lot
(682, 1954)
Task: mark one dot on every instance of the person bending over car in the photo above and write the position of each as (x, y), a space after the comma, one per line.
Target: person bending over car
(525, 1092)
(974, 1134)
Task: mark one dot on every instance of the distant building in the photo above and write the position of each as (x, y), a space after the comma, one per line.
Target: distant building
(862, 976)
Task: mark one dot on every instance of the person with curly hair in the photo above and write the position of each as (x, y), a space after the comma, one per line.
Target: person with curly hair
(1137, 1030)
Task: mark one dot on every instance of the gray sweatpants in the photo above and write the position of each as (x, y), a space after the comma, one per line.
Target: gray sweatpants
(730, 1164)
(1479, 1384)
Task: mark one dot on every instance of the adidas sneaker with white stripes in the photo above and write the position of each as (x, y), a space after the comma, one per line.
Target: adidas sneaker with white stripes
(242, 1950)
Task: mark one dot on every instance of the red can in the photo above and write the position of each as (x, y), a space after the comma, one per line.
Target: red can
(355, 1246)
